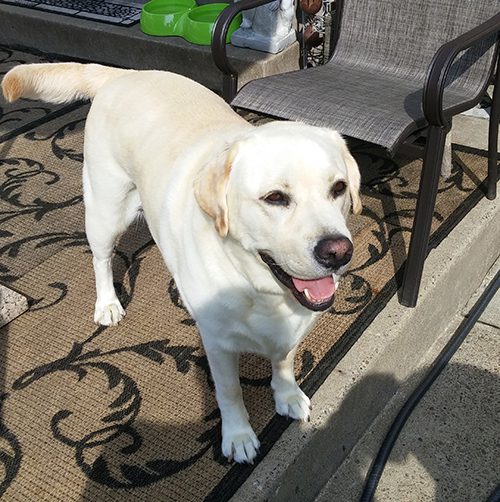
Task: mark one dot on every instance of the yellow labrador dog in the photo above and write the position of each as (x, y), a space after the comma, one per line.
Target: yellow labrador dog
(251, 221)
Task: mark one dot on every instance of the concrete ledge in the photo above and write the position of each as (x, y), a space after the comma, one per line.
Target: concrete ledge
(87, 40)
(385, 357)
(448, 440)
(12, 305)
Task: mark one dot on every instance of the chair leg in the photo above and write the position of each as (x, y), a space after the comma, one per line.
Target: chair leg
(229, 86)
(419, 242)
(493, 143)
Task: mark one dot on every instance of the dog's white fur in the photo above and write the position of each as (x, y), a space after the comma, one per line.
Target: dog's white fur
(161, 142)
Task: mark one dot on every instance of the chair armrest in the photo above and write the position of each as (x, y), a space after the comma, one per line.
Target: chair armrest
(432, 99)
(220, 32)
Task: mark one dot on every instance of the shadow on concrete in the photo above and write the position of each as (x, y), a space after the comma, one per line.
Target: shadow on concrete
(450, 439)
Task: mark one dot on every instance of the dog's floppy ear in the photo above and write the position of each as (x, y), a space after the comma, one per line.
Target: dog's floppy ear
(353, 174)
(354, 179)
(210, 187)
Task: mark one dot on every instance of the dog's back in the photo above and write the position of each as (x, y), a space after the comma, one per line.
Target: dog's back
(148, 92)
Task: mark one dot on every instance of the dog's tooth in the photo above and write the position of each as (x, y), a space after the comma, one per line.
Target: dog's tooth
(307, 295)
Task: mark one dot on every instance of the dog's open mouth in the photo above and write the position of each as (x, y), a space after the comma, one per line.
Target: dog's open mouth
(316, 294)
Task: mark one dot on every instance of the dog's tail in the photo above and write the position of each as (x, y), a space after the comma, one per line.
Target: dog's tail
(57, 82)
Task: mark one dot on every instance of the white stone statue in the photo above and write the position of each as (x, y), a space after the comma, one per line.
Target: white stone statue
(268, 28)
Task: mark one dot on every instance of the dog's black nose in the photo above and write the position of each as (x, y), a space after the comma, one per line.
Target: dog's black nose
(333, 252)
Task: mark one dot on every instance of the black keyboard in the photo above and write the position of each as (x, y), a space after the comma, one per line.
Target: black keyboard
(120, 12)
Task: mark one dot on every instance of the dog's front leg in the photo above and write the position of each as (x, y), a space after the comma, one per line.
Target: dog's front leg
(288, 396)
(108, 309)
(239, 441)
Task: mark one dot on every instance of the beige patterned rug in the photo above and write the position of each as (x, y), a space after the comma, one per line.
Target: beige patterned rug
(128, 412)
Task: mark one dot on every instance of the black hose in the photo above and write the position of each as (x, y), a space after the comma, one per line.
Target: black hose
(440, 362)
(495, 495)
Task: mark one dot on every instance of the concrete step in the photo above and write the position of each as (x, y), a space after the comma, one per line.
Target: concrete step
(445, 450)
(82, 39)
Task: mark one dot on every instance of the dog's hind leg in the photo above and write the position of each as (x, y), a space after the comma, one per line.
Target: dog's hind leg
(111, 204)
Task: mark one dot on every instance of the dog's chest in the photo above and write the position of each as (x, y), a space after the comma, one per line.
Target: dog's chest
(273, 334)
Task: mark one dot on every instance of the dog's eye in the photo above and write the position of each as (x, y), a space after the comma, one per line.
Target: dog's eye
(339, 188)
(277, 198)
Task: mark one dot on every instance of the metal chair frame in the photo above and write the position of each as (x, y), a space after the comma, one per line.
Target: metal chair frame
(437, 127)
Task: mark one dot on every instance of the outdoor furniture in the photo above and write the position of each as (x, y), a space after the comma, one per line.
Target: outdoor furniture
(399, 70)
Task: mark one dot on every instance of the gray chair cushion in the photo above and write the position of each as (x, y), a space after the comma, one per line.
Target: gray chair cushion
(378, 108)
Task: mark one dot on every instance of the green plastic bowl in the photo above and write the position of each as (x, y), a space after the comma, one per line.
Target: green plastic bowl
(199, 23)
(161, 17)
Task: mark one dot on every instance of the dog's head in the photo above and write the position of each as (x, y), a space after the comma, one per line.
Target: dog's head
(284, 191)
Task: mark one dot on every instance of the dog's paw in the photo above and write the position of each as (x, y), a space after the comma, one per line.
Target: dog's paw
(294, 404)
(241, 446)
(109, 314)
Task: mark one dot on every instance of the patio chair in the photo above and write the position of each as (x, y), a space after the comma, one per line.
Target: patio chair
(400, 69)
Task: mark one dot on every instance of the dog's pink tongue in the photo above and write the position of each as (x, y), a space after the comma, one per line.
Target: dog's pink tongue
(318, 290)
